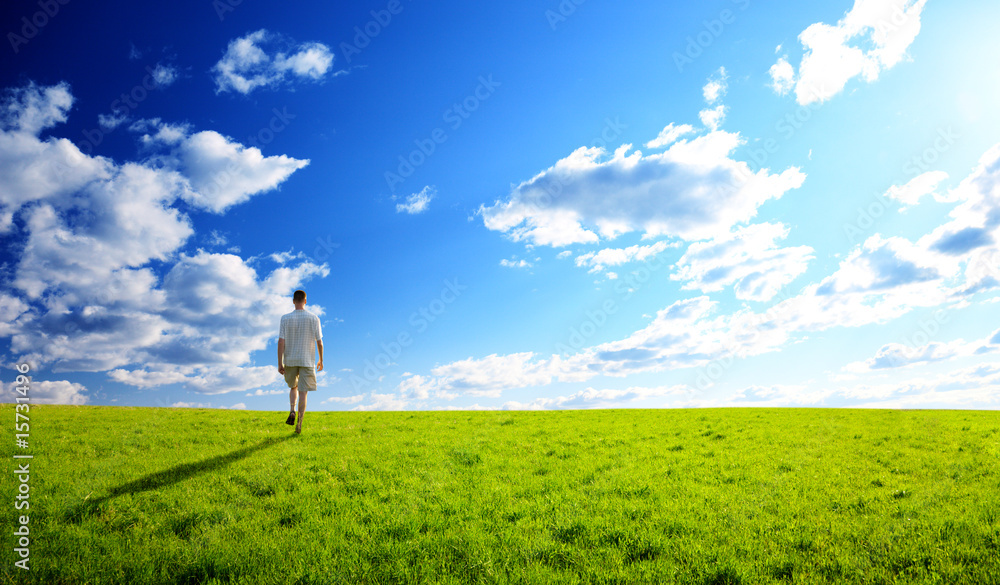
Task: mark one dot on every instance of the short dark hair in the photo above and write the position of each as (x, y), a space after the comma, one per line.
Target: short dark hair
(299, 296)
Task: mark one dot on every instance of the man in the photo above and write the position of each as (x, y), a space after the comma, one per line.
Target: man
(298, 333)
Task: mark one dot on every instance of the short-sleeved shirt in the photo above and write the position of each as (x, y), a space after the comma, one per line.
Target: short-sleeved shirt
(301, 331)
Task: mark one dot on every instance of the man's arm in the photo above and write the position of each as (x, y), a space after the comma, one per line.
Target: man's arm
(319, 348)
(281, 356)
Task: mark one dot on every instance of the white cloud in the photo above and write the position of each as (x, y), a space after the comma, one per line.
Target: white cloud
(713, 91)
(111, 121)
(776, 395)
(311, 60)
(345, 399)
(11, 308)
(221, 173)
(477, 406)
(973, 229)
(716, 86)
(489, 376)
(782, 76)
(286, 257)
(260, 392)
(591, 398)
(598, 261)
(50, 392)
(913, 191)
(164, 75)
(257, 60)
(872, 37)
(31, 109)
(712, 118)
(669, 135)
(514, 263)
(898, 355)
(883, 264)
(693, 190)
(976, 386)
(191, 405)
(895, 355)
(93, 230)
(748, 258)
(378, 401)
(417, 202)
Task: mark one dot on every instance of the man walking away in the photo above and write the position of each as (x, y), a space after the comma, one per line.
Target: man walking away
(298, 334)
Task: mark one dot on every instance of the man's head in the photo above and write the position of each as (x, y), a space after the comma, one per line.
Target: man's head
(299, 298)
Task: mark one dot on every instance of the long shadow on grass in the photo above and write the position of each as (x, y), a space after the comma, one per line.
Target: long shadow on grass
(178, 473)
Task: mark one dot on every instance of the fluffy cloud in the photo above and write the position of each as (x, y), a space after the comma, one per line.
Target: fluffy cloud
(378, 401)
(263, 59)
(976, 386)
(51, 392)
(748, 259)
(693, 191)
(716, 86)
(597, 261)
(669, 135)
(356, 399)
(221, 173)
(713, 91)
(712, 118)
(31, 109)
(101, 282)
(215, 379)
(972, 232)
(164, 75)
(872, 37)
(895, 355)
(417, 202)
(11, 308)
(913, 191)
(882, 264)
(782, 76)
(490, 376)
(515, 263)
(898, 355)
(591, 398)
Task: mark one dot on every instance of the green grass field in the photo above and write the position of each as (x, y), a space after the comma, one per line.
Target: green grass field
(141, 495)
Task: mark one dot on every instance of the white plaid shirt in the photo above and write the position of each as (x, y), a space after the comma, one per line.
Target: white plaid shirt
(301, 331)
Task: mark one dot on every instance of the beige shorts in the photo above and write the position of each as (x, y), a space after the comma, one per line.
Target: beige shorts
(307, 375)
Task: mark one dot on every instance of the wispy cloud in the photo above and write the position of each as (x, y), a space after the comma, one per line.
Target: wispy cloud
(264, 59)
(417, 202)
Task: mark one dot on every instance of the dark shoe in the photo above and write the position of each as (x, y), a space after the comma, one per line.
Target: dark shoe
(291, 419)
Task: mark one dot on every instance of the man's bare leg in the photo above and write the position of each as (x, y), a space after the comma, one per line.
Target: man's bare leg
(292, 396)
(302, 409)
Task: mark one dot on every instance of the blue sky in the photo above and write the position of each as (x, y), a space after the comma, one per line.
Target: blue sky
(521, 205)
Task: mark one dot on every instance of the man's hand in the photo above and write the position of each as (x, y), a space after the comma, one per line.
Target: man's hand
(281, 369)
(319, 366)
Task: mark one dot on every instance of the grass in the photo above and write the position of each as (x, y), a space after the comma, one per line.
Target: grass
(139, 495)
